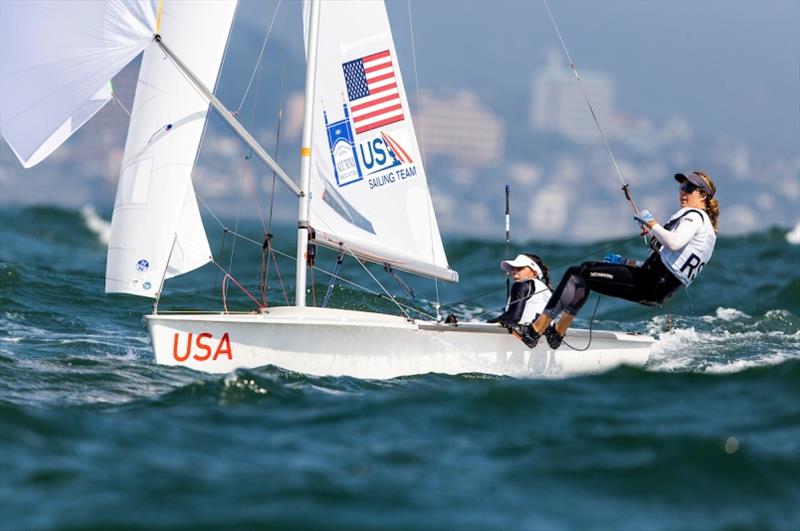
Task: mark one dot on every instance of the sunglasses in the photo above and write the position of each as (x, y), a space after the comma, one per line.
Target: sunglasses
(689, 188)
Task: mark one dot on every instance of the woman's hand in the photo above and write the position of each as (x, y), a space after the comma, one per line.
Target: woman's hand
(645, 218)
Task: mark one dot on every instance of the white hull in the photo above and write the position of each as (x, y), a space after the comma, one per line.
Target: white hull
(320, 341)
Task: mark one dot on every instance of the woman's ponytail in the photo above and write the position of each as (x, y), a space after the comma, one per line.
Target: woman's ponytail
(712, 209)
(712, 205)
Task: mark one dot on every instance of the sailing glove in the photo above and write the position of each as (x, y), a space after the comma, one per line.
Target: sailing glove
(644, 217)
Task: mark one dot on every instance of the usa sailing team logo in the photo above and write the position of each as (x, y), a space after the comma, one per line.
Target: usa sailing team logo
(358, 146)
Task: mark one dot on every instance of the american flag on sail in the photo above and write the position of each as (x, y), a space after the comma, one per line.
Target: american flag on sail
(373, 92)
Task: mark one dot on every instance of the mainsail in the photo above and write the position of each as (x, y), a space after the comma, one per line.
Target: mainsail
(156, 229)
(56, 60)
(368, 189)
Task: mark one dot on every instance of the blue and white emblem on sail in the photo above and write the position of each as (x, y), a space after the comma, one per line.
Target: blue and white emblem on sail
(341, 141)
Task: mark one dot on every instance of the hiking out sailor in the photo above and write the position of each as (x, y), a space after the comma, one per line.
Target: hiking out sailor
(529, 293)
(680, 250)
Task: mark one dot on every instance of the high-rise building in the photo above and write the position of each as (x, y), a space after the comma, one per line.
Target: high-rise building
(558, 103)
(460, 127)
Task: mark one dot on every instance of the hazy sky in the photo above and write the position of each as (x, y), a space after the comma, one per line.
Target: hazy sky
(729, 67)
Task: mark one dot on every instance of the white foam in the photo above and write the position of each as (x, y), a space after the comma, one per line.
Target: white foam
(741, 364)
(96, 224)
(728, 341)
(793, 236)
(725, 314)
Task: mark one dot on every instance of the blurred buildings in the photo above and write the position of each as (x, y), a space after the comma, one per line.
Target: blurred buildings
(462, 128)
(542, 142)
(558, 104)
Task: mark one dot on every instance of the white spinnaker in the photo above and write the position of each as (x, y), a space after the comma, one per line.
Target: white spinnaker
(368, 189)
(56, 59)
(156, 229)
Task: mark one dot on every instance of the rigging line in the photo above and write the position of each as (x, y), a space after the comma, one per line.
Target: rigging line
(236, 223)
(274, 175)
(271, 255)
(208, 209)
(378, 282)
(290, 257)
(251, 182)
(220, 253)
(422, 151)
(625, 187)
(510, 302)
(344, 246)
(352, 253)
(260, 69)
(593, 252)
(260, 56)
(385, 293)
(122, 105)
(278, 274)
(554, 268)
(591, 323)
(240, 286)
(277, 137)
(351, 282)
(262, 277)
(585, 94)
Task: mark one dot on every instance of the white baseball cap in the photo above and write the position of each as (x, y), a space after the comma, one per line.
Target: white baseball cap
(520, 261)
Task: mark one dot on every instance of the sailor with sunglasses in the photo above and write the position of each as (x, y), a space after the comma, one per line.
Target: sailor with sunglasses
(680, 250)
(686, 241)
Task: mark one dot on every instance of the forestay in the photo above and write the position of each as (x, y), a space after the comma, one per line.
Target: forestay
(368, 189)
(156, 229)
(56, 61)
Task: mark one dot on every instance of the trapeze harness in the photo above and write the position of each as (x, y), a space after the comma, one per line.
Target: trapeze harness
(655, 281)
(526, 301)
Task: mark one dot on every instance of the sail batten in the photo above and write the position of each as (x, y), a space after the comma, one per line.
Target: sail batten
(368, 190)
(156, 228)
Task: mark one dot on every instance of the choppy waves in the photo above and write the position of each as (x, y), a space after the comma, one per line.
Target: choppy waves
(728, 341)
(705, 436)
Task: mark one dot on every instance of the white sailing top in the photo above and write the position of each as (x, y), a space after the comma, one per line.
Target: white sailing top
(537, 302)
(685, 243)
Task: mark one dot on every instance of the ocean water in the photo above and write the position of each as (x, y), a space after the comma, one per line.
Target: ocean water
(94, 435)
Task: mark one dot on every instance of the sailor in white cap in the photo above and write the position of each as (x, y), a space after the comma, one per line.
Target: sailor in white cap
(529, 293)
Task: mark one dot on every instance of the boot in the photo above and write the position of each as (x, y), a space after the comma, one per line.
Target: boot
(527, 335)
(553, 338)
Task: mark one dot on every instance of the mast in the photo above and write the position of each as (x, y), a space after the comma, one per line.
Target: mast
(305, 154)
(229, 119)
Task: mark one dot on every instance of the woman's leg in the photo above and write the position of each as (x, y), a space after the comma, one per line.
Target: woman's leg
(564, 323)
(615, 280)
(570, 289)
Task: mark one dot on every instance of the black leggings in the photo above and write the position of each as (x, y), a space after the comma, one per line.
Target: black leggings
(651, 283)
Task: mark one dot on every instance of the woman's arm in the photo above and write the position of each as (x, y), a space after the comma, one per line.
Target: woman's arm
(680, 236)
(520, 293)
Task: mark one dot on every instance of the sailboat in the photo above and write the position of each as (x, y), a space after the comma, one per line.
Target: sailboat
(362, 188)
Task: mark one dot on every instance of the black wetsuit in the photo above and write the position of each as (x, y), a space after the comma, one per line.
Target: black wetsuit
(651, 283)
(520, 293)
